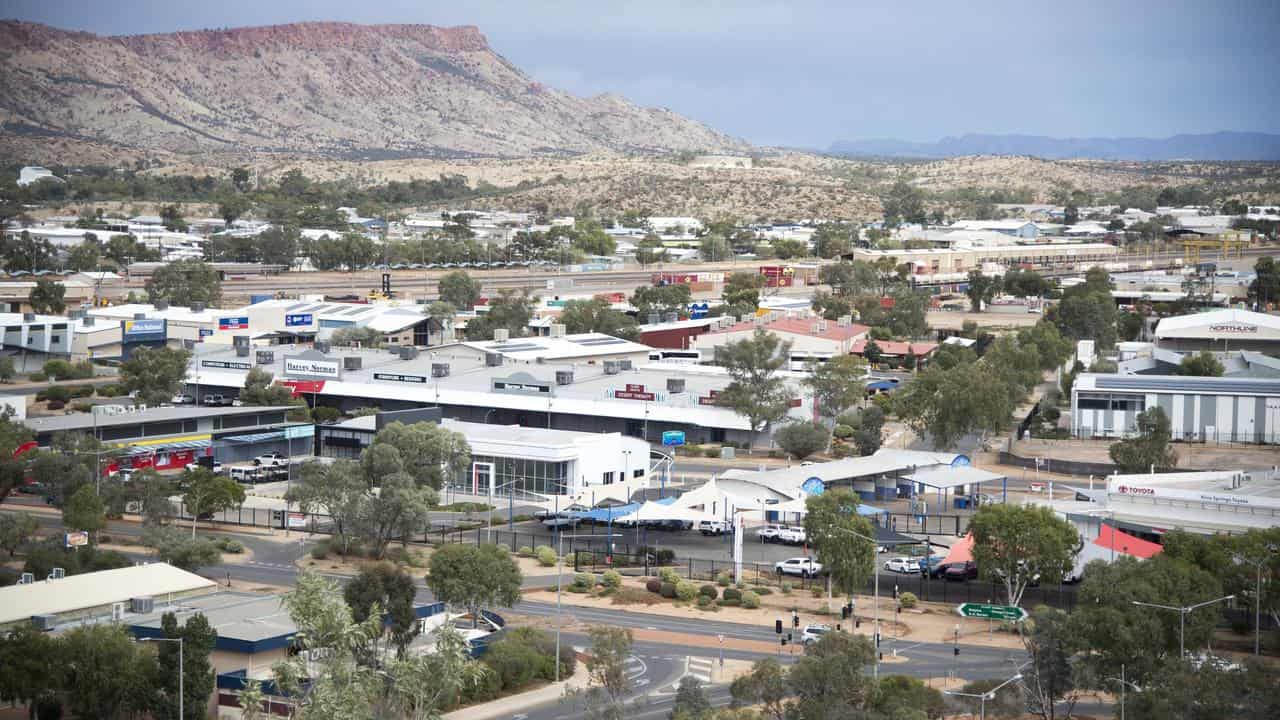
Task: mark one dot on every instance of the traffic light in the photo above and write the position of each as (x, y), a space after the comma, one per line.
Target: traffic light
(789, 638)
(784, 642)
(844, 613)
(795, 620)
(777, 626)
(956, 651)
(857, 623)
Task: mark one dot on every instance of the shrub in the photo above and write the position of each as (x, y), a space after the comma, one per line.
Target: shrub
(668, 591)
(611, 579)
(653, 585)
(786, 587)
(525, 551)
(583, 582)
(546, 556)
(907, 600)
(524, 655)
(9, 576)
(104, 539)
(669, 576)
(632, 596)
(686, 590)
(732, 594)
(82, 407)
(710, 591)
(80, 391)
(726, 602)
(761, 590)
(816, 591)
(110, 391)
(37, 377)
(711, 452)
(82, 370)
(724, 579)
(522, 518)
(56, 405)
(320, 550)
(229, 545)
(705, 601)
(658, 556)
(57, 369)
(750, 600)
(57, 392)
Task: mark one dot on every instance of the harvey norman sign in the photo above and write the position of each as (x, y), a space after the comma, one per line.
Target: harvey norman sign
(1139, 490)
(312, 366)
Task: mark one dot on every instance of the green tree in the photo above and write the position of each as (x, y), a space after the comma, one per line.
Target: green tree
(1024, 283)
(171, 217)
(1265, 287)
(597, 315)
(240, 178)
(26, 252)
(32, 666)
(832, 240)
(278, 245)
(904, 203)
(198, 640)
(231, 207)
(400, 507)
(832, 526)
(1129, 326)
(981, 289)
(899, 697)
(836, 384)
(155, 374)
(765, 685)
(849, 278)
(650, 250)
(511, 309)
(607, 672)
(338, 489)
(7, 370)
(125, 249)
(830, 680)
(84, 511)
(1070, 215)
(474, 577)
(1235, 206)
(85, 256)
(755, 391)
(185, 282)
(47, 297)
(714, 248)
(742, 292)
(260, 389)
(786, 249)
(1016, 545)
(179, 550)
(691, 702)
(430, 453)
(1053, 680)
(208, 493)
(661, 299)
(108, 675)
(1202, 364)
(949, 356)
(1150, 447)
(950, 404)
(1183, 692)
(872, 352)
(802, 438)
(907, 316)
(390, 590)
(869, 433)
(459, 289)
(16, 530)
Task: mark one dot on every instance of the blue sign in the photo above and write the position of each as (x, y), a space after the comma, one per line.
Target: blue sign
(813, 486)
(697, 311)
(234, 323)
(136, 328)
(205, 332)
(961, 461)
(672, 437)
(298, 320)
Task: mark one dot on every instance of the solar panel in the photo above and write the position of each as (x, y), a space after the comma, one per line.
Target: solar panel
(356, 310)
(295, 306)
(515, 347)
(594, 342)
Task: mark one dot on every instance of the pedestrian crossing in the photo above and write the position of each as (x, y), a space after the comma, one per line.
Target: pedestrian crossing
(700, 667)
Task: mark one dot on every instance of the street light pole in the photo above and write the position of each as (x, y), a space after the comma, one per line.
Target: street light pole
(876, 591)
(1124, 685)
(1182, 617)
(984, 697)
(181, 671)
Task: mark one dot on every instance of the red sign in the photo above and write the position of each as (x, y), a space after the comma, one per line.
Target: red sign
(632, 395)
(710, 399)
(796, 403)
(301, 387)
(635, 388)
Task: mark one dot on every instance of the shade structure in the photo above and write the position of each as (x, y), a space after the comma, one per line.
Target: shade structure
(962, 551)
(658, 510)
(1122, 542)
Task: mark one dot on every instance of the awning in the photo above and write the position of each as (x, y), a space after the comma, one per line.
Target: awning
(617, 511)
(134, 451)
(255, 437)
(1122, 542)
(962, 551)
(799, 506)
(655, 510)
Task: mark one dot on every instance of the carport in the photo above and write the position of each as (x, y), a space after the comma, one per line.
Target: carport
(960, 483)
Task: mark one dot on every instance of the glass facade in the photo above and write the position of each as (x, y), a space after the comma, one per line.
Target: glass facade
(520, 474)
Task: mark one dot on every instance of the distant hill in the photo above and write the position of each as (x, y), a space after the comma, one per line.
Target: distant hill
(1237, 146)
(323, 89)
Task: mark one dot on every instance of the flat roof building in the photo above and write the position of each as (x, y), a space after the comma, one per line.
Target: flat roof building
(96, 594)
(1221, 330)
(1218, 409)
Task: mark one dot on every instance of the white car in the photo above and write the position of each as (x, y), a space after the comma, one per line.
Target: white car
(713, 527)
(792, 536)
(770, 533)
(216, 467)
(270, 460)
(801, 566)
(813, 633)
(902, 565)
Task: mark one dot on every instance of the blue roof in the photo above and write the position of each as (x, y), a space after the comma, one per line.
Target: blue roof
(612, 513)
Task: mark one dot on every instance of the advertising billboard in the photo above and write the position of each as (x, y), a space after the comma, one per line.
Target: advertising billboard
(312, 368)
(145, 330)
(299, 320)
(233, 323)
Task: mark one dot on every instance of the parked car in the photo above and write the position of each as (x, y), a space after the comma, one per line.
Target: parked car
(769, 533)
(217, 400)
(792, 536)
(243, 474)
(215, 466)
(561, 522)
(1215, 662)
(813, 633)
(271, 459)
(902, 565)
(33, 488)
(801, 566)
(183, 399)
(713, 527)
(960, 571)
(927, 564)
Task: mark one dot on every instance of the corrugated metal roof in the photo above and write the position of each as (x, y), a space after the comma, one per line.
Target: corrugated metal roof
(96, 589)
(1187, 384)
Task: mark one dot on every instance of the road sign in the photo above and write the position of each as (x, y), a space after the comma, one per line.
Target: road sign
(991, 612)
(672, 437)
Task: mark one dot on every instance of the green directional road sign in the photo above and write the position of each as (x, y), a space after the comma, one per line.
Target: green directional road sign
(991, 612)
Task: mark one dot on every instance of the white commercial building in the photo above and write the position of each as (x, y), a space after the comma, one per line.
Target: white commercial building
(1220, 330)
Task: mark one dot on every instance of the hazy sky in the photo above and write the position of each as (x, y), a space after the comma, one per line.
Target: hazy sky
(808, 73)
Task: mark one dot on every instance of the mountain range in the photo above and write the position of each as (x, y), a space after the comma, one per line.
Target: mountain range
(1225, 146)
(321, 89)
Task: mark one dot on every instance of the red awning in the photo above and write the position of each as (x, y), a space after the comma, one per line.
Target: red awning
(962, 551)
(1122, 542)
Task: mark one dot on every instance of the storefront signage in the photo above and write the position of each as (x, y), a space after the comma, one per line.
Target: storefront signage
(633, 392)
(297, 520)
(299, 431)
(710, 398)
(225, 365)
(396, 377)
(671, 438)
(1234, 328)
(312, 367)
(522, 384)
(205, 332)
(233, 323)
(302, 320)
(75, 539)
(141, 330)
(1139, 490)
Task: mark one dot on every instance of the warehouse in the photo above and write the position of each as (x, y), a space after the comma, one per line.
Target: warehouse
(51, 602)
(1213, 409)
(1221, 331)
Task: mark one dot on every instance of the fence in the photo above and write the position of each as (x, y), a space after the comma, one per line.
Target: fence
(763, 574)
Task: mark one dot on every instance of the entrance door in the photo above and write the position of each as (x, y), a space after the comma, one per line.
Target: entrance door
(482, 478)
(1273, 420)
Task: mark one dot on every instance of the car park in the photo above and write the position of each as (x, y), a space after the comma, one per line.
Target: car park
(792, 536)
(928, 563)
(902, 565)
(183, 399)
(271, 459)
(769, 533)
(960, 571)
(813, 633)
(214, 466)
(802, 566)
(713, 527)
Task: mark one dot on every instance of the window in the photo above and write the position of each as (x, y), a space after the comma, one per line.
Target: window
(638, 472)
(608, 478)
(55, 339)
(1092, 403)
